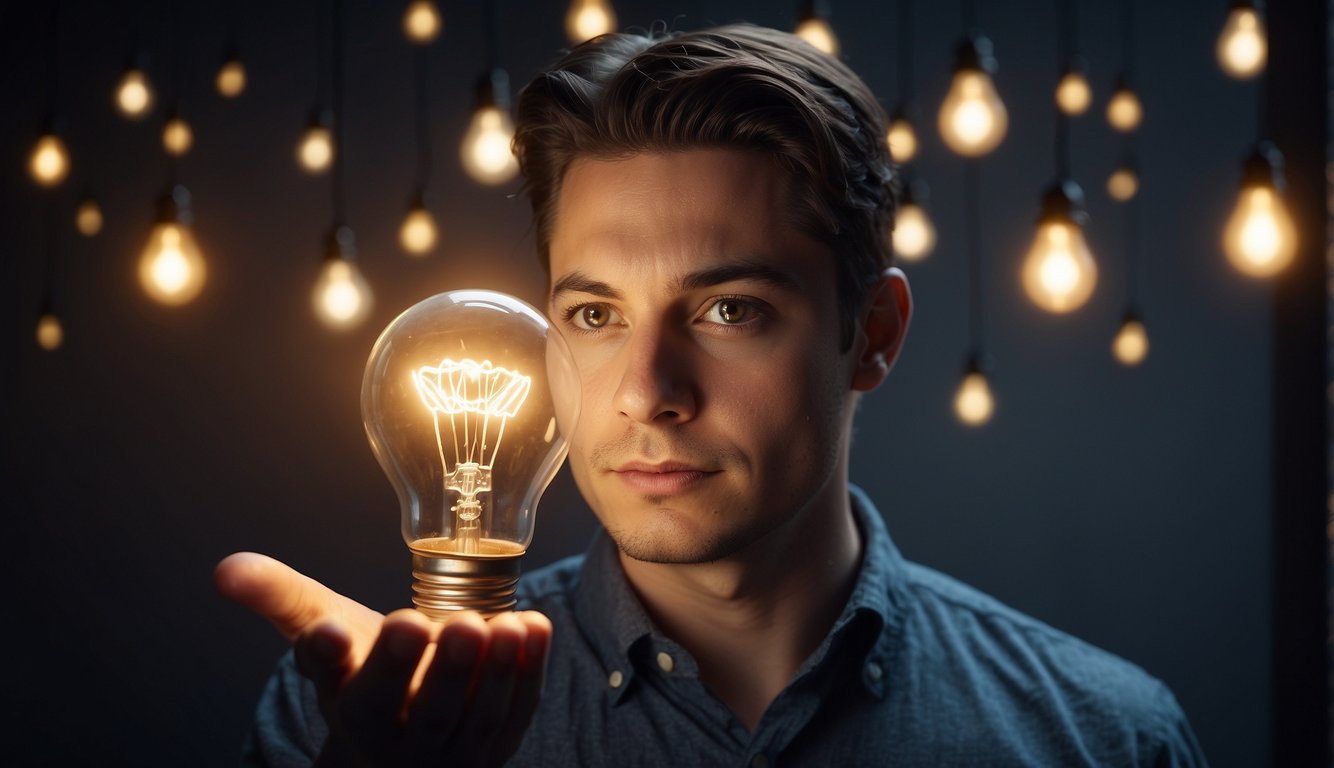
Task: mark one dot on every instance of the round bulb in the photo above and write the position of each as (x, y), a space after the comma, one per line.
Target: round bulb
(315, 152)
(134, 95)
(1059, 272)
(88, 218)
(1124, 111)
(171, 267)
(914, 234)
(1242, 46)
(231, 78)
(1122, 184)
(587, 19)
(342, 296)
(818, 33)
(421, 22)
(1260, 238)
(973, 403)
(50, 335)
(1073, 94)
(49, 161)
(417, 235)
(486, 152)
(972, 118)
(1131, 344)
(902, 140)
(468, 399)
(177, 138)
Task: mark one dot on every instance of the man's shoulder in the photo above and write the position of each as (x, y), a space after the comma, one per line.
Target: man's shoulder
(550, 585)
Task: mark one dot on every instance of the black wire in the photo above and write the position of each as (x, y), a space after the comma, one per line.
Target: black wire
(340, 149)
(1128, 39)
(905, 51)
(973, 211)
(52, 260)
(1132, 250)
(968, 10)
(321, 55)
(53, 65)
(1064, 36)
(492, 34)
(423, 121)
(1062, 145)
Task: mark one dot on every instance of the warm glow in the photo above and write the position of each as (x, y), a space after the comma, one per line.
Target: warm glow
(1242, 48)
(1122, 184)
(134, 96)
(1059, 272)
(421, 22)
(914, 234)
(1073, 94)
(88, 218)
(50, 334)
(177, 137)
(1131, 344)
(171, 268)
(231, 78)
(417, 235)
(342, 297)
(902, 140)
(587, 19)
(818, 33)
(1260, 238)
(973, 403)
(49, 162)
(1124, 111)
(972, 118)
(316, 150)
(486, 147)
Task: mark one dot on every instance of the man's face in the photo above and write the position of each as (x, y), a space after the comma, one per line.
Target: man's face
(705, 328)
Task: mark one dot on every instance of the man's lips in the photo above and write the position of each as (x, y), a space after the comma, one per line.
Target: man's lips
(660, 479)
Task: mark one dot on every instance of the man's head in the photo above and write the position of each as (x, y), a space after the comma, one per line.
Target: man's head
(738, 87)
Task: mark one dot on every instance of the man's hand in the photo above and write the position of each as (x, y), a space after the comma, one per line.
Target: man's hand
(400, 689)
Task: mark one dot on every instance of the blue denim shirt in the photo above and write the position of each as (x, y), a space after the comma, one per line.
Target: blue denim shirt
(918, 669)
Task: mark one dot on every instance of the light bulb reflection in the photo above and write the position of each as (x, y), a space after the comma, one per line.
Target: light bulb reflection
(1242, 46)
(231, 79)
(914, 234)
(418, 233)
(972, 118)
(88, 218)
(342, 297)
(421, 22)
(50, 334)
(902, 140)
(1124, 111)
(1059, 272)
(973, 402)
(1131, 345)
(134, 95)
(315, 152)
(1073, 94)
(49, 162)
(486, 152)
(586, 19)
(171, 267)
(1260, 238)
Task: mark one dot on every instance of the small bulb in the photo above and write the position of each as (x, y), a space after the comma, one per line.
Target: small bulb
(1131, 344)
(315, 152)
(902, 140)
(134, 96)
(49, 161)
(973, 117)
(1242, 46)
(914, 234)
(177, 138)
(1123, 184)
(1059, 272)
(231, 78)
(1073, 94)
(417, 235)
(1124, 111)
(421, 22)
(1260, 237)
(587, 19)
(171, 267)
(486, 152)
(818, 33)
(973, 403)
(50, 335)
(342, 296)
(88, 218)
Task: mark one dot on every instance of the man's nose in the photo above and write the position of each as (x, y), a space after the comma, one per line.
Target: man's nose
(656, 384)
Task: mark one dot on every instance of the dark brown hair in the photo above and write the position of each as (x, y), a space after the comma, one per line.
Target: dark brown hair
(736, 86)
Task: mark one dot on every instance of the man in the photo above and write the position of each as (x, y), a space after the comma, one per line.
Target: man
(714, 213)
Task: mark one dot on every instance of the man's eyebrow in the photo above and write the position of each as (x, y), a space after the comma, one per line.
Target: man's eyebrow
(578, 282)
(744, 270)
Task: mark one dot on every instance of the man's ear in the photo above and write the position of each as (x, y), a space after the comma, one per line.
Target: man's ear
(884, 323)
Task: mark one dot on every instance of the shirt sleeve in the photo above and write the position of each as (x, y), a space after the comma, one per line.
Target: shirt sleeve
(288, 730)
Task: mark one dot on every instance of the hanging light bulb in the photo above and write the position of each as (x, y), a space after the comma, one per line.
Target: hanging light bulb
(587, 19)
(177, 138)
(1260, 238)
(49, 162)
(1124, 181)
(972, 118)
(1073, 93)
(421, 22)
(418, 232)
(134, 95)
(1131, 344)
(1242, 44)
(171, 267)
(902, 137)
(88, 217)
(813, 27)
(231, 78)
(50, 334)
(486, 152)
(914, 234)
(973, 401)
(1059, 272)
(342, 296)
(1124, 111)
(316, 150)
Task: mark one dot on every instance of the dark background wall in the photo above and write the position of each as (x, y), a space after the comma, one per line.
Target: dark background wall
(1127, 506)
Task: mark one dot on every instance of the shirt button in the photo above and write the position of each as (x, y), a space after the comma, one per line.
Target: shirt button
(615, 679)
(759, 761)
(874, 671)
(665, 661)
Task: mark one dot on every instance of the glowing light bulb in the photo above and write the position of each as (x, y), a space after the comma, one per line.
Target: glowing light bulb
(587, 19)
(902, 137)
(171, 267)
(49, 161)
(973, 401)
(1123, 184)
(342, 297)
(1242, 44)
(486, 152)
(231, 77)
(973, 119)
(177, 138)
(914, 235)
(316, 150)
(50, 334)
(134, 95)
(88, 217)
(421, 22)
(468, 399)
(1073, 93)
(418, 233)
(1059, 272)
(1124, 111)
(1131, 344)
(1260, 238)
(818, 33)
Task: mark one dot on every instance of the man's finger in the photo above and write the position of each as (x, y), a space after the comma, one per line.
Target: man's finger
(291, 601)
(493, 688)
(438, 705)
(527, 686)
(323, 654)
(371, 703)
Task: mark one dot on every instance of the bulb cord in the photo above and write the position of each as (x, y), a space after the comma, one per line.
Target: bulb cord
(340, 147)
(321, 55)
(1128, 40)
(53, 61)
(423, 120)
(52, 258)
(492, 40)
(906, 94)
(968, 12)
(973, 210)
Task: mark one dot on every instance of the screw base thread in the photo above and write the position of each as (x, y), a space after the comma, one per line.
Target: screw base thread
(443, 586)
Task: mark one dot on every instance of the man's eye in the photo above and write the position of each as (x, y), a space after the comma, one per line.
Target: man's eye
(731, 312)
(592, 316)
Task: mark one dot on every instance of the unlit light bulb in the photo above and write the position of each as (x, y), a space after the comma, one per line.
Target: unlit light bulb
(1124, 111)
(468, 399)
(134, 95)
(231, 79)
(421, 22)
(88, 218)
(973, 119)
(50, 334)
(1242, 45)
(973, 401)
(1131, 344)
(586, 19)
(49, 161)
(418, 233)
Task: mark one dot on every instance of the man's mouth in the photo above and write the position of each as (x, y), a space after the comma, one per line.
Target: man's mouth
(664, 478)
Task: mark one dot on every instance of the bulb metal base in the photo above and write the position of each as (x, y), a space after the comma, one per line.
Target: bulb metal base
(443, 586)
